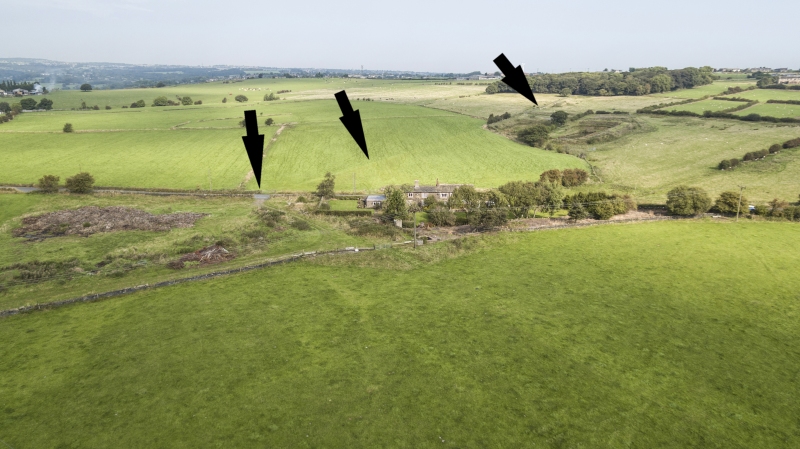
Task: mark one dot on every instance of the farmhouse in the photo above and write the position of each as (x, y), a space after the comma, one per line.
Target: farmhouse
(440, 191)
(19, 92)
(2, 93)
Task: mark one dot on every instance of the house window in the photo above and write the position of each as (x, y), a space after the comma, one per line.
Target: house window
(410, 195)
(444, 195)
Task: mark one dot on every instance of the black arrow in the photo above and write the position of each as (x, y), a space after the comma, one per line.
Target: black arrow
(352, 121)
(254, 144)
(515, 77)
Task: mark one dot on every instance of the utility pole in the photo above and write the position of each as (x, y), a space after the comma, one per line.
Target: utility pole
(739, 204)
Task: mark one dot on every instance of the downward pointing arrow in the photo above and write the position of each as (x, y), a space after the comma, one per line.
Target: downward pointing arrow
(352, 121)
(254, 144)
(515, 77)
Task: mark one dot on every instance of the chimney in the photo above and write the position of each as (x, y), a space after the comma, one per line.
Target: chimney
(416, 183)
(437, 182)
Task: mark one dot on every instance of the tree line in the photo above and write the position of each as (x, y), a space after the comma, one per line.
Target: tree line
(635, 82)
(9, 111)
(727, 164)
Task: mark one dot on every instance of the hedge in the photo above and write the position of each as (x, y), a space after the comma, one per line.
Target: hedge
(346, 213)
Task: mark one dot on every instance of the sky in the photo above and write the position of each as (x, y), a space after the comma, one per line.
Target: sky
(426, 36)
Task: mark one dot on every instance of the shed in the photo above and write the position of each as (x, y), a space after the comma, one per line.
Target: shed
(374, 201)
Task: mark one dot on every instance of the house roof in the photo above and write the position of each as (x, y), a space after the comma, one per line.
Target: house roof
(441, 188)
(376, 197)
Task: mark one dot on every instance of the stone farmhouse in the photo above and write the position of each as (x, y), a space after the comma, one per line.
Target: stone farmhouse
(440, 191)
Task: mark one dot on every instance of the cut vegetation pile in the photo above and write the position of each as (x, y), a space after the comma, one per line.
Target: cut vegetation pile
(91, 220)
(205, 256)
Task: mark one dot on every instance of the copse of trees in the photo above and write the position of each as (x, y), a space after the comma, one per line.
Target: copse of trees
(635, 82)
(597, 205)
(496, 118)
(684, 200)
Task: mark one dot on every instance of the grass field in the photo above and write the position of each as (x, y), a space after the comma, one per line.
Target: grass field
(673, 151)
(763, 95)
(633, 336)
(772, 110)
(715, 88)
(705, 105)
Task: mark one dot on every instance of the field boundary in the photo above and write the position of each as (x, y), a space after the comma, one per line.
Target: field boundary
(125, 291)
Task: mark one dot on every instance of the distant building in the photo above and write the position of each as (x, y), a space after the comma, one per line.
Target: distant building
(440, 191)
(19, 92)
(2, 93)
(782, 70)
(374, 201)
(789, 79)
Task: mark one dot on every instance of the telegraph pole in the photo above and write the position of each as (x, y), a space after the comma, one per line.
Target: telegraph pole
(739, 205)
(415, 229)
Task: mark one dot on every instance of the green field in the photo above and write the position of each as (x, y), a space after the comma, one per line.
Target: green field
(763, 95)
(705, 105)
(715, 88)
(772, 110)
(614, 336)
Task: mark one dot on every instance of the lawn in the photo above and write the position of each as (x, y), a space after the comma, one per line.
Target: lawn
(613, 336)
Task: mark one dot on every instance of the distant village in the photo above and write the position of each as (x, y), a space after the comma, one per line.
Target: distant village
(36, 90)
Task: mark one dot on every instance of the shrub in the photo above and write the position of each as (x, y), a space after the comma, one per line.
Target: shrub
(269, 121)
(775, 148)
(687, 201)
(301, 199)
(734, 162)
(161, 101)
(573, 177)
(108, 107)
(48, 184)
(441, 216)
(761, 210)
(224, 99)
(68, 128)
(28, 103)
(240, 98)
(553, 175)
(269, 97)
(269, 217)
(138, 104)
(5, 107)
(559, 118)
(724, 165)
(187, 101)
(728, 203)
(577, 211)
(300, 225)
(80, 183)
(488, 218)
(96, 107)
(496, 118)
(535, 135)
(429, 202)
(791, 143)
(198, 102)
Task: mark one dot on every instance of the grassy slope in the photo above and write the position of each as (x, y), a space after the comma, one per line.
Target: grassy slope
(687, 150)
(631, 336)
(705, 105)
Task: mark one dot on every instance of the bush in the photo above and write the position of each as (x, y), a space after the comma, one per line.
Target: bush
(487, 219)
(240, 98)
(68, 128)
(535, 135)
(224, 99)
(734, 162)
(28, 103)
(496, 118)
(45, 104)
(300, 225)
(791, 143)
(728, 203)
(198, 102)
(724, 165)
(138, 104)
(80, 183)
(688, 201)
(269, 97)
(775, 148)
(161, 101)
(108, 107)
(573, 177)
(48, 184)
(559, 118)
(301, 199)
(429, 202)
(578, 212)
(553, 176)
(269, 121)
(441, 216)
(269, 217)
(761, 210)
(187, 101)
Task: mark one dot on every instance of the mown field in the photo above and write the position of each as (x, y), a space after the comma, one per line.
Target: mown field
(613, 336)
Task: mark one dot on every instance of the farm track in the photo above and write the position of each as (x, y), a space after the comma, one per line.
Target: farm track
(274, 139)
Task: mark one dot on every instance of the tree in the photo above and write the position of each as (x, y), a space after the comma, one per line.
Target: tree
(565, 92)
(138, 104)
(48, 184)
(5, 107)
(16, 108)
(28, 103)
(728, 203)
(683, 200)
(161, 101)
(521, 197)
(552, 176)
(553, 197)
(160, 84)
(86, 87)
(68, 128)
(488, 218)
(80, 183)
(430, 202)
(467, 198)
(325, 188)
(440, 215)
(187, 101)
(559, 118)
(269, 121)
(240, 98)
(534, 136)
(395, 205)
(776, 207)
(270, 97)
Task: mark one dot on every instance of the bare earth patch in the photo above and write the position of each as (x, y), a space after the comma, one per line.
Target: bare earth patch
(91, 220)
